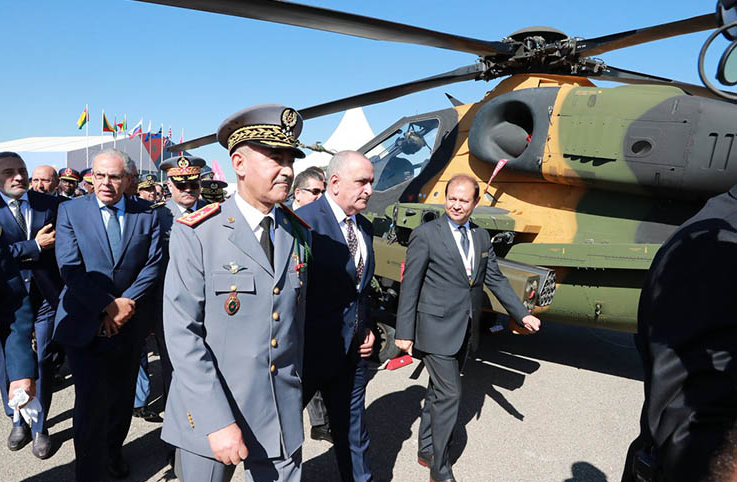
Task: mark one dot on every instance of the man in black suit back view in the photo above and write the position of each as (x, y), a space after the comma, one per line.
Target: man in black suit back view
(448, 262)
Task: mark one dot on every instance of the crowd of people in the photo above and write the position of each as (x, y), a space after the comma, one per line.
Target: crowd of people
(259, 307)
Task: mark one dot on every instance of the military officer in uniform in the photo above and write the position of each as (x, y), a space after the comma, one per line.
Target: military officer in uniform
(87, 183)
(213, 191)
(234, 313)
(147, 188)
(68, 180)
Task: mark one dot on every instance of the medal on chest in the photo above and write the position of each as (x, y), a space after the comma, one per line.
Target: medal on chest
(232, 303)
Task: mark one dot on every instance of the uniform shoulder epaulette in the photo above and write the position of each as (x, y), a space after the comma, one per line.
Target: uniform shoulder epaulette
(291, 214)
(192, 219)
(158, 204)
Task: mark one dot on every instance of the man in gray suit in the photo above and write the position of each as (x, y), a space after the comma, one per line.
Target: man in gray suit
(439, 309)
(234, 313)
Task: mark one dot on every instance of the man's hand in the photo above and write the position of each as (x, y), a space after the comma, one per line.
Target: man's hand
(27, 385)
(367, 346)
(108, 327)
(46, 237)
(227, 445)
(531, 322)
(121, 310)
(405, 345)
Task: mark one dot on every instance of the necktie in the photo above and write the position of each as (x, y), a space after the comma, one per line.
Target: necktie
(188, 211)
(464, 240)
(113, 232)
(265, 240)
(353, 247)
(15, 204)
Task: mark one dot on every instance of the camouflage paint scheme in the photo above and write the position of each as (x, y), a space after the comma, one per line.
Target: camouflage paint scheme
(606, 176)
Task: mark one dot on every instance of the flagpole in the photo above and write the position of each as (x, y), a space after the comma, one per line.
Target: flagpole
(140, 148)
(102, 129)
(161, 159)
(115, 129)
(87, 132)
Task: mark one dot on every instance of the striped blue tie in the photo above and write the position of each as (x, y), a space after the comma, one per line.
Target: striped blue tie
(113, 232)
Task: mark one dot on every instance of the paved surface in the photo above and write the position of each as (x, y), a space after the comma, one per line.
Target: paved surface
(559, 406)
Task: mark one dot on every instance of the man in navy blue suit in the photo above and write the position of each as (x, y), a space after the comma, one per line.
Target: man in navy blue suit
(109, 253)
(338, 336)
(16, 326)
(27, 218)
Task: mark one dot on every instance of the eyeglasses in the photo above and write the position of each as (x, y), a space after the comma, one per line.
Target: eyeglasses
(191, 185)
(115, 178)
(314, 190)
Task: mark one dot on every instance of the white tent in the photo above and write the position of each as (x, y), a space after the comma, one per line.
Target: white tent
(352, 132)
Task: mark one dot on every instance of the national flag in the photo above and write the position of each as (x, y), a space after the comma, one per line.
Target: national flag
(137, 129)
(154, 146)
(106, 127)
(168, 136)
(181, 139)
(83, 118)
(148, 132)
(157, 135)
(219, 174)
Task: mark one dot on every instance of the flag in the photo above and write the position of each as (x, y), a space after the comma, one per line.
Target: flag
(154, 146)
(83, 118)
(168, 136)
(106, 127)
(181, 139)
(219, 175)
(157, 135)
(137, 129)
(148, 132)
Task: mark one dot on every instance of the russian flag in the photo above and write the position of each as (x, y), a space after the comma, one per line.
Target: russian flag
(137, 130)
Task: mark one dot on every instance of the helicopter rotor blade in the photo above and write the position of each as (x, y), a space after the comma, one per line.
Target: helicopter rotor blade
(469, 72)
(607, 43)
(631, 77)
(340, 22)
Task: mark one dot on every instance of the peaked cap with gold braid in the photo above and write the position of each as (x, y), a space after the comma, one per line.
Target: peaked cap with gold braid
(183, 168)
(269, 125)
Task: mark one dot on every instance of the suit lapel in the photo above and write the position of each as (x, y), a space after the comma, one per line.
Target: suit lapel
(336, 234)
(131, 218)
(242, 236)
(7, 221)
(95, 223)
(476, 233)
(283, 243)
(450, 244)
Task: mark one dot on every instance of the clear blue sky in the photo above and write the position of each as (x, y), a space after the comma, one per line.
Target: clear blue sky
(191, 69)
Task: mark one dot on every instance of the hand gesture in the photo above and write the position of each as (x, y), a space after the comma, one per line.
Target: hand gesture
(108, 327)
(367, 346)
(46, 237)
(227, 445)
(531, 322)
(28, 385)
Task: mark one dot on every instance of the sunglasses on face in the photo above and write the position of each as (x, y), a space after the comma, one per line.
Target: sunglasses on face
(183, 186)
(315, 190)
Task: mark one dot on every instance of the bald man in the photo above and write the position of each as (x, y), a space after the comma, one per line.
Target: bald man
(45, 179)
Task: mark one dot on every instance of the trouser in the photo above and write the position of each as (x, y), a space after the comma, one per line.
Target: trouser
(196, 468)
(43, 327)
(440, 410)
(317, 411)
(104, 387)
(344, 394)
(143, 384)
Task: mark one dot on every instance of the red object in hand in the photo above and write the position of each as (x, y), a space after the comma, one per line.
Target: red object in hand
(399, 362)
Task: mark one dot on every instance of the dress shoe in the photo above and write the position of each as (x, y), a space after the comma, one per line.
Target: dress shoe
(321, 432)
(19, 437)
(118, 468)
(147, 414)
(41, 445)
(424, 459)
(449, 478)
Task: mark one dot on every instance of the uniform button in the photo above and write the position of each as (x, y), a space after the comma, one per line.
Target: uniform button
(273, 342)
(275, 316)
(468, 312)
(232, 287)
(272, 368)
(276, 290)
(301, 283)
(27, 280)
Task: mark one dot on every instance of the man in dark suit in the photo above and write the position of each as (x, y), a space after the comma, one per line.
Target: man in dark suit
(27, 218)
(448, 262)
(687, 338)
(16, 326)
(338, 336)
(108, 251)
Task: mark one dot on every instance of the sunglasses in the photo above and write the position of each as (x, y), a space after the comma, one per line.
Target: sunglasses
(192, 185)
(315, 190)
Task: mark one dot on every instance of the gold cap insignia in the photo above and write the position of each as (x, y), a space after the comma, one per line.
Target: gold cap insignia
(183, 162)
(289, 118)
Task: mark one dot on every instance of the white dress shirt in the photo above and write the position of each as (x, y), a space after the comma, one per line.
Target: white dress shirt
(120, 205)
(341, 216)
(467, 260)
(254, 217)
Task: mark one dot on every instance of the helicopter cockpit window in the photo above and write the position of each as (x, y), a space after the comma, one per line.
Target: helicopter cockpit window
(402, 155)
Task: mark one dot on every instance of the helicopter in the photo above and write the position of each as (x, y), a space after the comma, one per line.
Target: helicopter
(581, 184)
